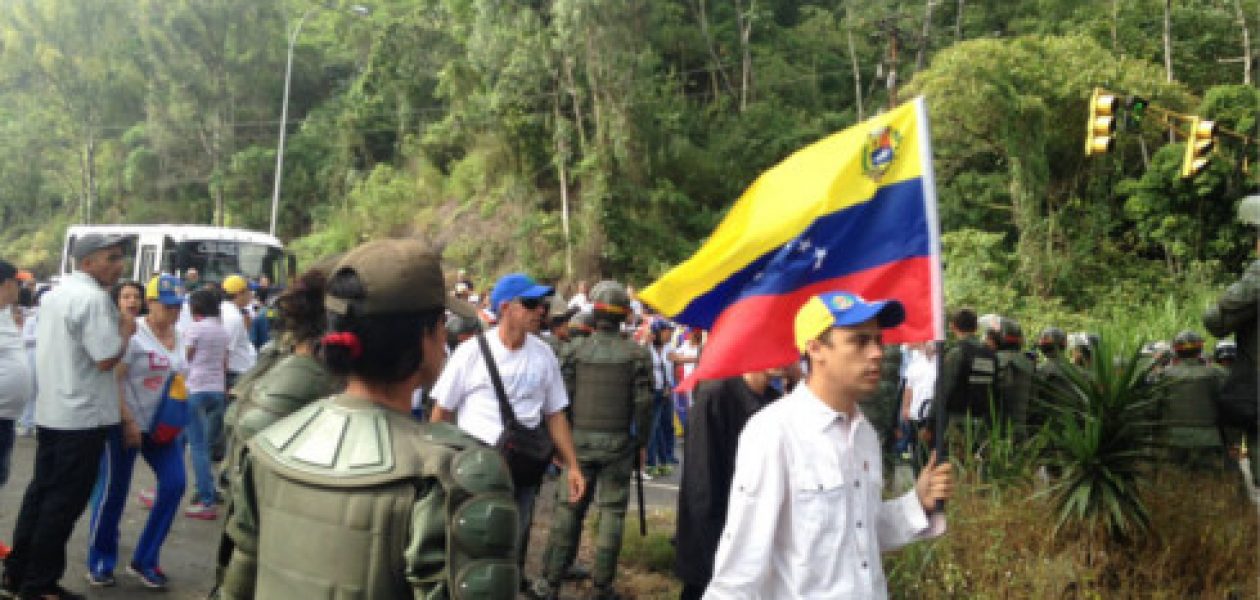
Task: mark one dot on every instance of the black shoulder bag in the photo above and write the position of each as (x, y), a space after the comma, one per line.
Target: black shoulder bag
(527, 451)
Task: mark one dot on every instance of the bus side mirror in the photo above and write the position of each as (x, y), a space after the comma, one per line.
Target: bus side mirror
(292, 264)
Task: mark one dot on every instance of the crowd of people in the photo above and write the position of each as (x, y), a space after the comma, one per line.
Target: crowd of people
(381, 431)
(991, 377)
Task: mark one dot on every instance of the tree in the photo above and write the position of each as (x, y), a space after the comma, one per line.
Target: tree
(996, 106)
(78, 55)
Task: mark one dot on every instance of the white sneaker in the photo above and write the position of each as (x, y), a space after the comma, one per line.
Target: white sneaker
(645, 475)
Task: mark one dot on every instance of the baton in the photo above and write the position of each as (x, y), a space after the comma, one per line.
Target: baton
(942, 418)
(638, 483)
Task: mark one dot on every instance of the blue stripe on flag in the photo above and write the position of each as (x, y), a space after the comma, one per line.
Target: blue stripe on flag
(891, 226)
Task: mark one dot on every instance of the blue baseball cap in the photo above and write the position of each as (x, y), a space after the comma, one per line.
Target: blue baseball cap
(164, 289)
(516, 285)
(843, 309)
(659, 325)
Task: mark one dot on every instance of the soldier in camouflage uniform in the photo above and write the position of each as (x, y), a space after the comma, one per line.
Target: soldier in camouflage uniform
(1237, 311)
(1050, 381)
(558, 315)
(274, 351)
(965, 387)
(1014, 377)
(609, 380)
(351, 497)
(1188, 417)
(295, 380)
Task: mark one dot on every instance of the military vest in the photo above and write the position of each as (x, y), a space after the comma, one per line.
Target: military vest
(295, 382)
(979, 376)
(603, 395)
(1191, 397)
(1014, 385)
(356, 500)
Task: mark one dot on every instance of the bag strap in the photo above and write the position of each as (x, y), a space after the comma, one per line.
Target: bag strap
(506, 414)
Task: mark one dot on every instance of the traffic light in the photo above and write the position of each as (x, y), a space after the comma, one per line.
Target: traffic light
(1099, 134)
(1198, 146)
(1135, 111)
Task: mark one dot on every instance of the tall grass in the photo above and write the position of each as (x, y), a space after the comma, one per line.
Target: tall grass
(1201, 544)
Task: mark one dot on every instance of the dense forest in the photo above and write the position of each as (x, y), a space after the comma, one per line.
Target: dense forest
(584, 138)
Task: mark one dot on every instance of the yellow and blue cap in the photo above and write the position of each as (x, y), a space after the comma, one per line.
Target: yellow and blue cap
(843, 309)
(164, 289)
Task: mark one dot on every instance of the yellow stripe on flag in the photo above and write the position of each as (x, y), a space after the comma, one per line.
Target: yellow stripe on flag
(822, 178)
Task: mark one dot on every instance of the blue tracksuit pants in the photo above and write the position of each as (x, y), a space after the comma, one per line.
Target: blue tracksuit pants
(113, 485)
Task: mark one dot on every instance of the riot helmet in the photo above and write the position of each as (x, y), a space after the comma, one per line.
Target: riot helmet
(1188, 344)
(1052, 341)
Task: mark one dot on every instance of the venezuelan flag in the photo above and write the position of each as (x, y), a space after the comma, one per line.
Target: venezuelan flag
(855, 211)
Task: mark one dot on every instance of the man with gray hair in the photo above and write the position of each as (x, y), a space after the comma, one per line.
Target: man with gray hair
(81, 337)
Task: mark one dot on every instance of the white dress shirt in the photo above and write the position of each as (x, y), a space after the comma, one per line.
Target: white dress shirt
(806, 518)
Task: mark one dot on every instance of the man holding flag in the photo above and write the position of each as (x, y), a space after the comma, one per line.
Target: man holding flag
(806, 518)
(854, 211)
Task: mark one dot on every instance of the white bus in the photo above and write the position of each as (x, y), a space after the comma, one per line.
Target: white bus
(215, 252)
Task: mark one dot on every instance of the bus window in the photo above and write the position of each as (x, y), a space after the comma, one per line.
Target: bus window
(217, 259)
(148, 254)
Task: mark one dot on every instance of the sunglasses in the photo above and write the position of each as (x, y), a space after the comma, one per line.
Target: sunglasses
(530, 303)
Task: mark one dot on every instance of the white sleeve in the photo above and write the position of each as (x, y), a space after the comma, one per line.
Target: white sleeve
(903, 520)
(557, 398)
(758, 494)
(448, 391)
(98, 326)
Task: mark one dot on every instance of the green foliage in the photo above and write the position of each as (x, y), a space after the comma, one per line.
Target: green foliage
(467, 122)
(1100, 436)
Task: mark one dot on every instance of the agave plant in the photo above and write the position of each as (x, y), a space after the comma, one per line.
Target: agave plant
(1100, 435)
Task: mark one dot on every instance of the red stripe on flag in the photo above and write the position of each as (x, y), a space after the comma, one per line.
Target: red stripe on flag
(756, 333)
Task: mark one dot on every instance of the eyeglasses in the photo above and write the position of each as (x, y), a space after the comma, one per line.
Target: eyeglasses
(530, 303)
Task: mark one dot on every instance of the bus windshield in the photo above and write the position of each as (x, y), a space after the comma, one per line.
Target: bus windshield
(217, 259)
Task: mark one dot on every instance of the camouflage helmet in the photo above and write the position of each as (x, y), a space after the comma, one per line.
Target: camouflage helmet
(1012, 335)
(608, 293)
(611, 301)
(1052, 337)
(1188, 342)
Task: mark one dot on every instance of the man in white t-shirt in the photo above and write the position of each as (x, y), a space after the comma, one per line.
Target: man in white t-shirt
(241, 352)
(234, 313)
(531, 379)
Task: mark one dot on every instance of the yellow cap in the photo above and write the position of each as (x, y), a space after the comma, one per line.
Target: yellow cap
(164, 289)
(842, 309)
(235, 284)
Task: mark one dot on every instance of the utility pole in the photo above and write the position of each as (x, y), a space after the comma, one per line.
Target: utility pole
(890, 27)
